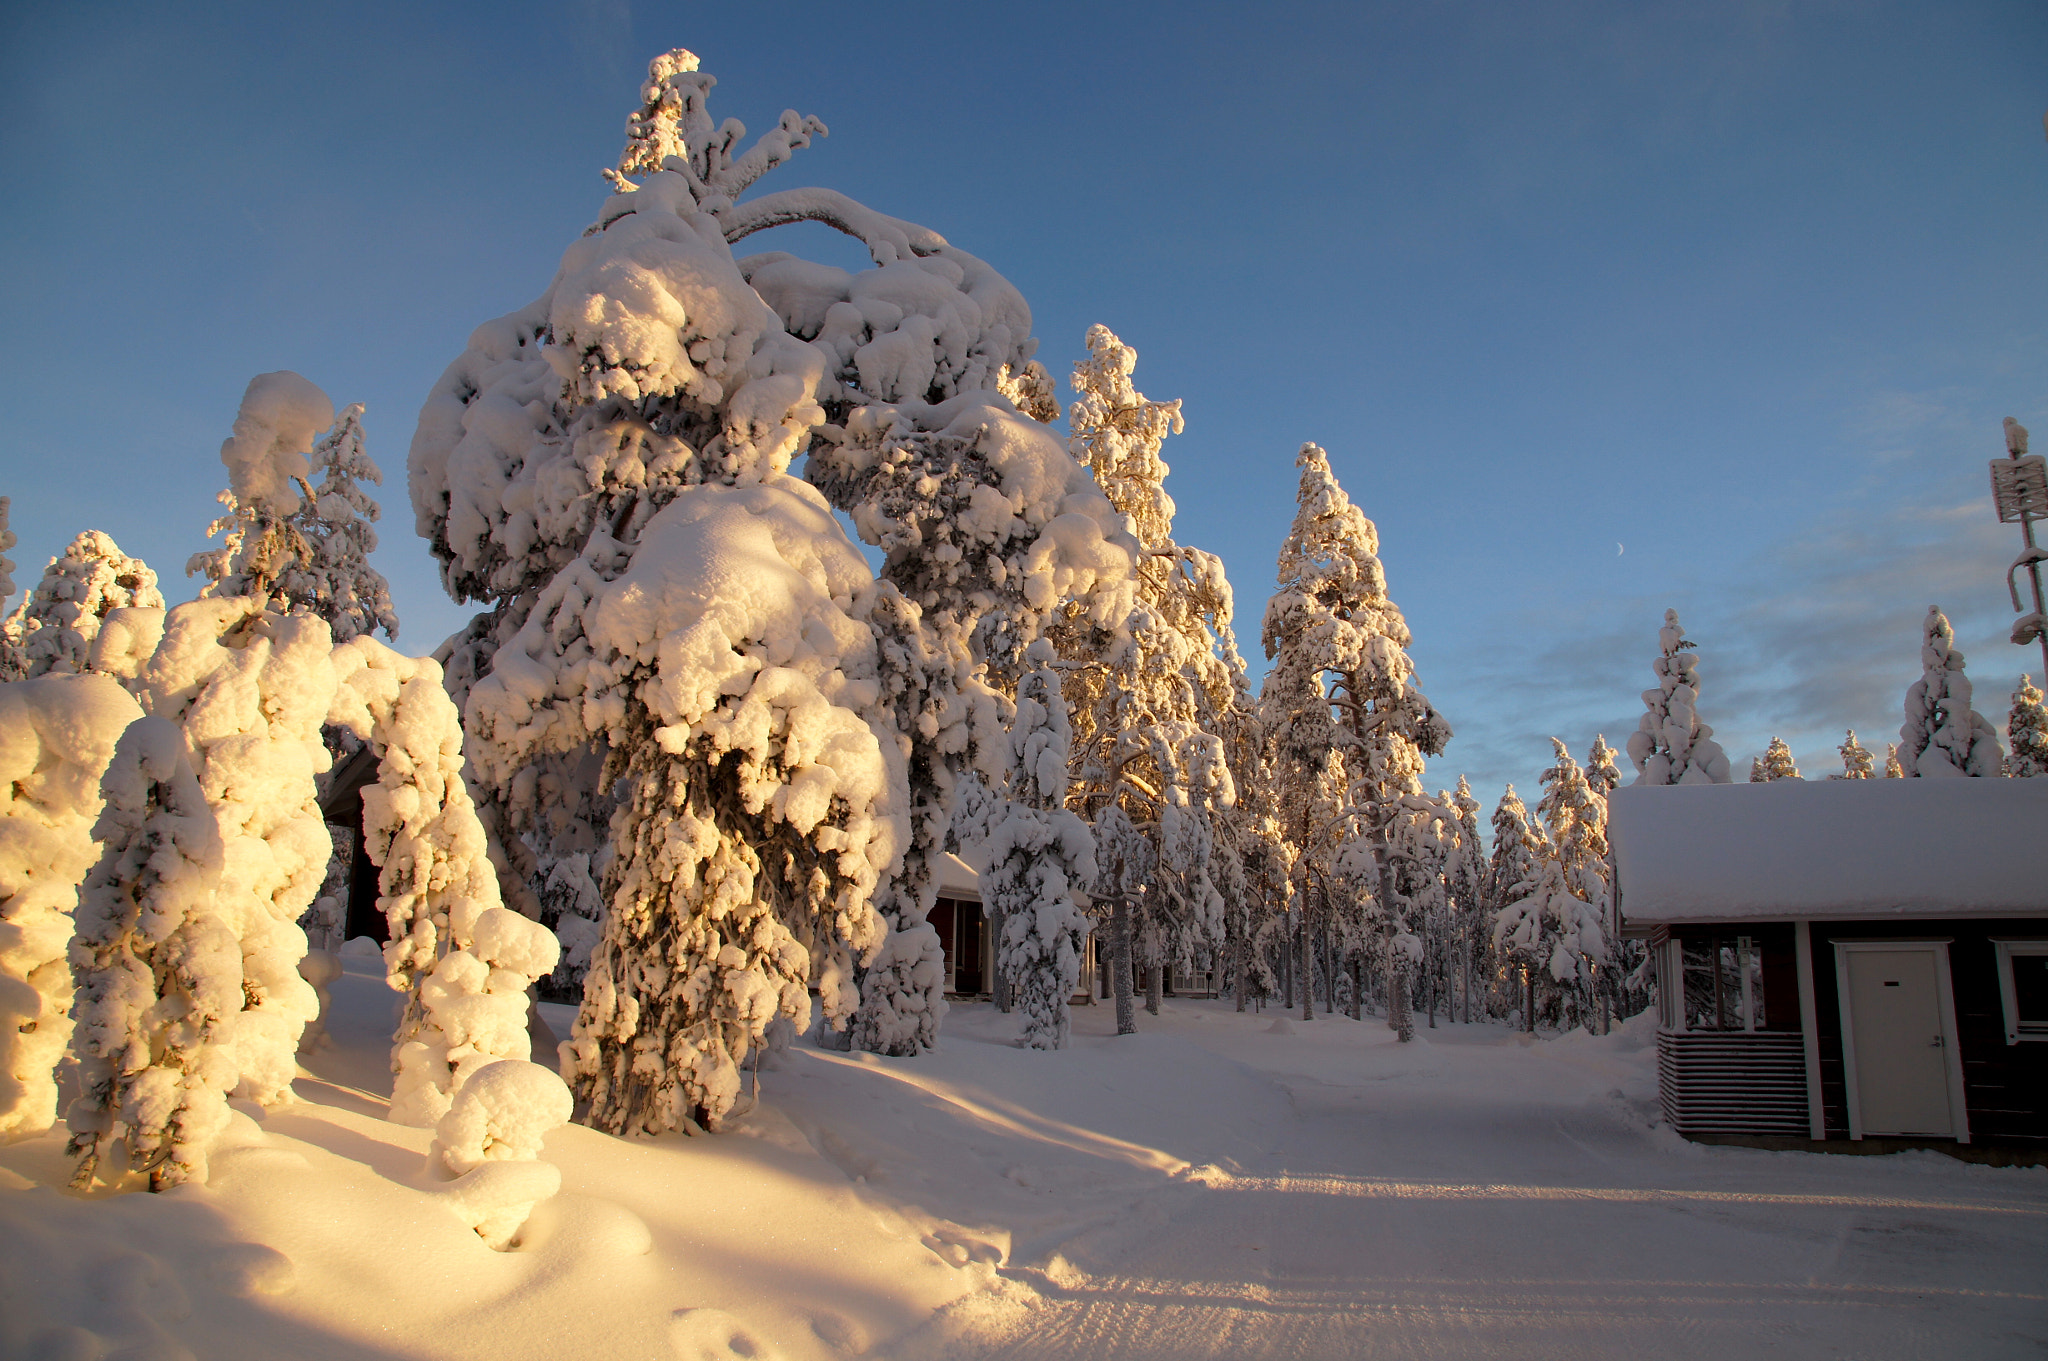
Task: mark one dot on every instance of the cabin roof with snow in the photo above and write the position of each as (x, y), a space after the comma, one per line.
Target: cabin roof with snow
(957, 878)
(1811, 849)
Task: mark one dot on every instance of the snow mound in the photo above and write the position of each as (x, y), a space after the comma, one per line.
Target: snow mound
(488, 1142)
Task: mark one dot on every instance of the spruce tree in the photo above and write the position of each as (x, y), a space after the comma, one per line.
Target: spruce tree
(1519, 854)
(1039, 857)
(1776, 763)
(57, 623)
(1341, 669)
(1671, 745)
(13, 662)
(1856, 761)
(1152, 692)
(1943, 736)
(334, 579)
(2026, 728)
(606, 471)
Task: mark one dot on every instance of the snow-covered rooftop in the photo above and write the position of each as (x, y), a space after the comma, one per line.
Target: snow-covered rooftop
(1831, 848)
(957, 878)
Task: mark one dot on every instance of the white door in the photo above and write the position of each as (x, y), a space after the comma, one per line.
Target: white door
(1901, 1053)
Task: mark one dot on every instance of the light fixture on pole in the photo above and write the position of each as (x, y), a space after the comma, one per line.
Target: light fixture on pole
(2019, 486)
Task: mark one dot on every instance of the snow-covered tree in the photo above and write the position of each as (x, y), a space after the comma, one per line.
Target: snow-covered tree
(335, 580)
(2026, 728)
(57, 623)
(57, 734)
(1671, 745)
(1943, 735)
(160, 980)
(606, 470)
(1756, 770)
(725, 664)
(1856, 761)
(1776, 763)
(1602, 774)
(267, 459)
(13, 662)
(1558, 923)
(1038, 857)
(1151, 691)
(1465, 876)
(1338, 644)
(1519, 853)
(572, 906)
(464, 961)
(1893, 770)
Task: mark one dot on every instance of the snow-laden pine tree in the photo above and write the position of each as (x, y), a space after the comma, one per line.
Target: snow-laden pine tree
(1519, 853)
(1893, 770)
(159, 971)
(1558, 923)
(247, 690)
(1602, 774)
(1776, 763)
(1338, 647)
(334, 579)
(1153, 691)
(1756, 770)
(2026, 728)
(1943, 735)
(1465, 877)
(13, 662)
(464, 961)
(572, 906)
(1670, 744)
(57, 734)
(605, 469)
(57, 623)
(1856, 760)
(1039, 856)
(268, 460)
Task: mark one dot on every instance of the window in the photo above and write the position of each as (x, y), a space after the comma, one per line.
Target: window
(2023, 988)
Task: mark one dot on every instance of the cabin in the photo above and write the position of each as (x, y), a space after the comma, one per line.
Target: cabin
(969, 945)
(1847, 964)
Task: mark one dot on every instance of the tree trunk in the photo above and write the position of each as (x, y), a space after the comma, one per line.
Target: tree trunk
(1398, 1015)
(1308, 975)
(1238, 980)
(1528, 999)
(1357, 990)
(1329, 973)
(1155, 968)
(1286, 974)
(1120, 965)
(999, 986)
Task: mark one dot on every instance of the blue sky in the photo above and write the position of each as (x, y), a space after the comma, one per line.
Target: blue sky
(1598, 307)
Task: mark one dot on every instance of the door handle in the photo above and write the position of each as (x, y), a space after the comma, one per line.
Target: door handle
(1936, 1043)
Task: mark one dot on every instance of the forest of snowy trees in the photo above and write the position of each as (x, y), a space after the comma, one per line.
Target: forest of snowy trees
(696, 759)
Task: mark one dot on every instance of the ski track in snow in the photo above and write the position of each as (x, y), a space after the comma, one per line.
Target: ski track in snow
(1206, 1188)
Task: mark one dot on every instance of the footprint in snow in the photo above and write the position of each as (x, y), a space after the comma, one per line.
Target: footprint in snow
(714, 1335)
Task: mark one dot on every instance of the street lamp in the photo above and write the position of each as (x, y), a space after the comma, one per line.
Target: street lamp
(2019, 486)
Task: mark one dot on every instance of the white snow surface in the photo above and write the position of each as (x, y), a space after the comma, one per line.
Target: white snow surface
(1216, 1185)
(1830, 848)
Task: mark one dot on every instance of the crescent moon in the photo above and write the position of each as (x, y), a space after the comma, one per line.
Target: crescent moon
(1618, 550)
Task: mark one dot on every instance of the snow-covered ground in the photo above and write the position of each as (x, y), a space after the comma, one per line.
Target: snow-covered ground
(1219, 1185)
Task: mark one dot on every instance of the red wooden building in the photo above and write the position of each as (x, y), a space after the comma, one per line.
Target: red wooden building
(1845, 959)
